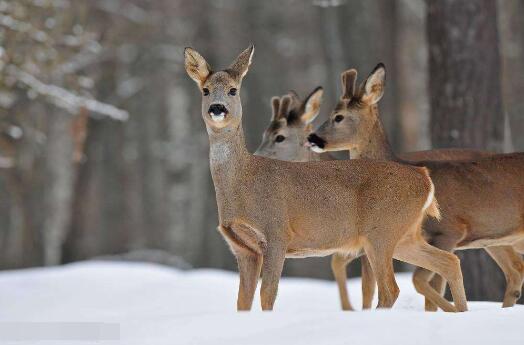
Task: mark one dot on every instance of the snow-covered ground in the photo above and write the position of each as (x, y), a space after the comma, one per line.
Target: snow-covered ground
(136, 303)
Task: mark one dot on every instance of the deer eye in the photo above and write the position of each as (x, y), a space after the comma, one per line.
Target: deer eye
(280, 138)
(232, 92)
(205, 91)
(339, 118)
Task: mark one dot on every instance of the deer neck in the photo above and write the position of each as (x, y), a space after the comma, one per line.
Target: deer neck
(377, 145)
(227, 155)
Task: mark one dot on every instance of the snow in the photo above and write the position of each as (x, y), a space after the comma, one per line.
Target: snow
(152, 304)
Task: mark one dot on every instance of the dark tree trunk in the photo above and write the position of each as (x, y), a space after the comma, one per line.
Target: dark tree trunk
(466, 103)
(511, 24)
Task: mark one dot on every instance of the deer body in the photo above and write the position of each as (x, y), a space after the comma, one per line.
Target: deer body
(270, 209)
(482, 201)
(291, 119)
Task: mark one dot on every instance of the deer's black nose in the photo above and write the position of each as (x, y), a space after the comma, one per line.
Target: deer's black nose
(316, 140)
(217, 109)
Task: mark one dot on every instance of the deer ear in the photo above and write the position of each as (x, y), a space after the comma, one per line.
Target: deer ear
(295, 100)
(312, 105)
(285, 102)
(240, 66)
(373, 87)
(196, 66)
(348, 79)
(275, 104)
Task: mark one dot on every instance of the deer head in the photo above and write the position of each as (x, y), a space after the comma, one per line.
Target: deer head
(290, 125)
(355, 116)
(221, 106)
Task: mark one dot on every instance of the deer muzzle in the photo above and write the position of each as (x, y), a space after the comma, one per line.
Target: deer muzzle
(217, 112)
(315, 143)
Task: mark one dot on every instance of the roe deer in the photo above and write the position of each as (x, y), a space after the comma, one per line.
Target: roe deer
(291, 123)
(269, 209)
(284, 139)
(482, 201)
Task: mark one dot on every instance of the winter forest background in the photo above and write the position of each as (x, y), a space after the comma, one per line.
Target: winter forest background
(103, 151)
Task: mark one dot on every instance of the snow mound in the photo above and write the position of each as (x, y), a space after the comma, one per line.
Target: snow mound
(152, 304)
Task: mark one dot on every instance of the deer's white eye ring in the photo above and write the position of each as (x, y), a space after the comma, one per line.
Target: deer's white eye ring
(232, 92)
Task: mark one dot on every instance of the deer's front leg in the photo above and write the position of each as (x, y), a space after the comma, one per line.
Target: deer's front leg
(339, 263)
(248, 244)
(271, 272)
(249, 265)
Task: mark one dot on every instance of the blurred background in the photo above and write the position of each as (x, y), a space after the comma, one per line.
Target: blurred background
(102, 149)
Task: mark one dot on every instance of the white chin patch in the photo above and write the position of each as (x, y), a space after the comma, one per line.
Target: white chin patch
(317, 149)
(218, 118)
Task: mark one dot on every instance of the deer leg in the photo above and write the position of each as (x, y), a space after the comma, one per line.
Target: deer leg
(437, 283)
(273, 264)
(381, 262)
(511, 263)
(249, 265)
(339, 262)
(368, 283)
(415, 250)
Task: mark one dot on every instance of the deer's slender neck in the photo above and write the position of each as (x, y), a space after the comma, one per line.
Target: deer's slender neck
(377, 145)
(227, 152)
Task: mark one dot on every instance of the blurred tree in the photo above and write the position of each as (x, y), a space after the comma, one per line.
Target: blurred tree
(466, 103)
(412, 64)
(511, 24)
(43, 88)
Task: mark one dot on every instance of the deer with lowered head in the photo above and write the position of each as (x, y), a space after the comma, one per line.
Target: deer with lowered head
(271, 209)
(481, 200)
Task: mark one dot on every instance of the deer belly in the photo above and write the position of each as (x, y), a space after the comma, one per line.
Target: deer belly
(308, 252)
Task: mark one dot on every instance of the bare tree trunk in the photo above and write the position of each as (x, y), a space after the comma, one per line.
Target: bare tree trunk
(411, 56)
(511, 26)
(466, 103)
(60, 173)
(331, 17)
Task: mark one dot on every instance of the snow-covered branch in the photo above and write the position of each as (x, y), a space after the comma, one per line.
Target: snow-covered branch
(127, 10)
(64, 98)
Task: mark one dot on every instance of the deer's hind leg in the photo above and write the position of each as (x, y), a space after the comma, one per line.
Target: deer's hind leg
(511, 263)
(415, 250)
(444, 241)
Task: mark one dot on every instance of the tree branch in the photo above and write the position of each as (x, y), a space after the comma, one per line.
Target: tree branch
(64, 98)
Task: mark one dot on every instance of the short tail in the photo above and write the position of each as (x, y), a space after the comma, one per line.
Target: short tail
(431, 207)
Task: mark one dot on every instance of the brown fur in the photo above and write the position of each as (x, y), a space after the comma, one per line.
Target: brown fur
(311, 208)
(482, 201)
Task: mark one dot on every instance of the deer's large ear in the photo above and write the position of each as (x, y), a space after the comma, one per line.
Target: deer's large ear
(285, 102)
(275, 104)
(295, 100)
(241, 64)
(373, 88)
(312, 105)
(348, 79)
(196, 66)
